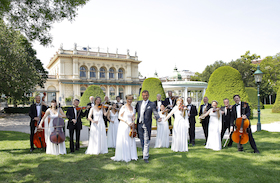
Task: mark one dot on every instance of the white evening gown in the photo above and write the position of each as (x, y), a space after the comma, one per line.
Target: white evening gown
(126, 146)
(162, 139)
(214, 131)
(52, 148)
(113, 129)
(97, 143)
(180, 131)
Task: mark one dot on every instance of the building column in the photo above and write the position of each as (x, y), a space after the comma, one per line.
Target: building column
(75, 69)
(185, 95)
(117, 90)
(108, 91)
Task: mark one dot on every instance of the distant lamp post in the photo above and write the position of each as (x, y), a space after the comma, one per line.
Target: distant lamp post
(258, 79)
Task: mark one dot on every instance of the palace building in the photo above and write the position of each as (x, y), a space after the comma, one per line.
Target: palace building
(72, 71)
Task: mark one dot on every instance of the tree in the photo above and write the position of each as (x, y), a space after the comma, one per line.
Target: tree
(205, 75)
(20, 70)
(92, 90)
(35, 17)
(253, 97)
(154, 86)
(225, 82)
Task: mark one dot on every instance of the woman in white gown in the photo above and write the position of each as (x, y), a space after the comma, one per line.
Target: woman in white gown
(97, 143)
(112, 116)
(214, 128)
(126, 146)
(52, 113)
(162, 139)
(180, 127)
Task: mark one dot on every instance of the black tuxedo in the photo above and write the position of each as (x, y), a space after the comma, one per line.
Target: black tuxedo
(105, 117)
(33, 114)
(226, 117)
(244, 111)
(193, 113)
(156, 103)
(166, 103)
(74, 127)
(205, 121)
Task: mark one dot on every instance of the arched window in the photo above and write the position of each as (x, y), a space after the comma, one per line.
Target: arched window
(103, 89)
(112, 92)
(83, 71)
(92, 72)
(82, 90)
(120, 74)
(102, 73)
(121, 94)
(111, 73)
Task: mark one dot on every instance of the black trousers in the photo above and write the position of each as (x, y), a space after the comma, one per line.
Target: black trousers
(205, 125)
(225, 127)
(105, 120)
(32, 131)
(170, 124)
(192, 133)
(71, 133)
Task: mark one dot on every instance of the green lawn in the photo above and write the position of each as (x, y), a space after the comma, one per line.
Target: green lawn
(266, 117)
(17, 164)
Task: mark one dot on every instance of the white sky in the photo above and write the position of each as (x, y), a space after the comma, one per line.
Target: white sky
(189, 33)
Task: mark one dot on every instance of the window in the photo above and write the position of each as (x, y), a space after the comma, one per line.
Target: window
(120, 74)
(121, 94)
(103, 89)
(102, 73)
(83, 72)
(111, 73)
(82, 90)
(112, 92)
(92, 72)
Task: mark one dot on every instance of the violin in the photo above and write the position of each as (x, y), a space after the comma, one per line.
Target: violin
(39, 136)
(80, 108)
(241, 125)
(165, 111)
(132, 132)
(57, 136)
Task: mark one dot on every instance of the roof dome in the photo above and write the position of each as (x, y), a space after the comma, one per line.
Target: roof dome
(176, 75)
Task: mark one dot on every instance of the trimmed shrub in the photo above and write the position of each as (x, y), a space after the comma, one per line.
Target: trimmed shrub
(276, 106)
(154, 86)
(253, 97)
(225, 82)
(92, 90)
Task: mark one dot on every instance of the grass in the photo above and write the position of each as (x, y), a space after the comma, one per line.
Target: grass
(17, 164)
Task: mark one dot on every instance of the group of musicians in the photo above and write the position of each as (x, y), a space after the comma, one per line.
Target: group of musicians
(74, 115)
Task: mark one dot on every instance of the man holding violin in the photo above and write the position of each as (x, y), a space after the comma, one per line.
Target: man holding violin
(74, 115)
(242, 109)
(169, 103)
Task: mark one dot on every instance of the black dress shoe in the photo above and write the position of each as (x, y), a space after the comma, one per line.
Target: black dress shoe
(193, 144)
(146, 160)
(257, 151)
(77, 149)
(31, 149)
(229, 145)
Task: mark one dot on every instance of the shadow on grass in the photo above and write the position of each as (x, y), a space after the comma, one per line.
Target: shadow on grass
(197, 165)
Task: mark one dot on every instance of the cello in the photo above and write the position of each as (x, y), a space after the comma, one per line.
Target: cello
(240, 134)
(57, 136)
(39, 136)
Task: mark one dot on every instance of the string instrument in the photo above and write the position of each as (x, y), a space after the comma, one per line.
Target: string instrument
(165, 111)
(133, 132)
(39, 136)
(80, 108)
(181, 107)
(57, 136)
(241, 125)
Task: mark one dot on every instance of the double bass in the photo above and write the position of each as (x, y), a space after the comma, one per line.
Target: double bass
(240, 134)
(57, 136)
(39, 136)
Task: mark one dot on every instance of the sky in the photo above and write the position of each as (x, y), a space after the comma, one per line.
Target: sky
(190, 34)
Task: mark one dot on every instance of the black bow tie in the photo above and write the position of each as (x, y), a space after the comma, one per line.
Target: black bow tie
(237, 104)
(189, 105)
(38, 104)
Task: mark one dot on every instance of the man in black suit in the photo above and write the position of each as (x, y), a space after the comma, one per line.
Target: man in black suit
(159, 102)
(242, 110)
(106, 103)
(89, 106)
(119, 103)
(35, 115)
(226, 117)
(205, 122)
(145, 109)
(192, 112)
(74, 124)
(170, 102)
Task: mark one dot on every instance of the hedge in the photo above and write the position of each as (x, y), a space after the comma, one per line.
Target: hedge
(12, 110)
(253, 97)
(225, 82)
(276, 106)
(92, 90)
(154, 86)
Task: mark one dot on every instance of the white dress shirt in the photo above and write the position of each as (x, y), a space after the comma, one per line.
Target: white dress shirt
(158, 104)
(189, 107)
(204, 107)
(170, 102)
(238, 110)
(143, 106)
(75, 111)
(38, 108)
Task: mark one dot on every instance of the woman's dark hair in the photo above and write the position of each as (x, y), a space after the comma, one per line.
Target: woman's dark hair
(54, 101)
(96, 99)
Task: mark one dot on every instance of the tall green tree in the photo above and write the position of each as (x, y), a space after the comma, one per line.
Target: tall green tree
(34, 18)
(20, 70)
(205, 75)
